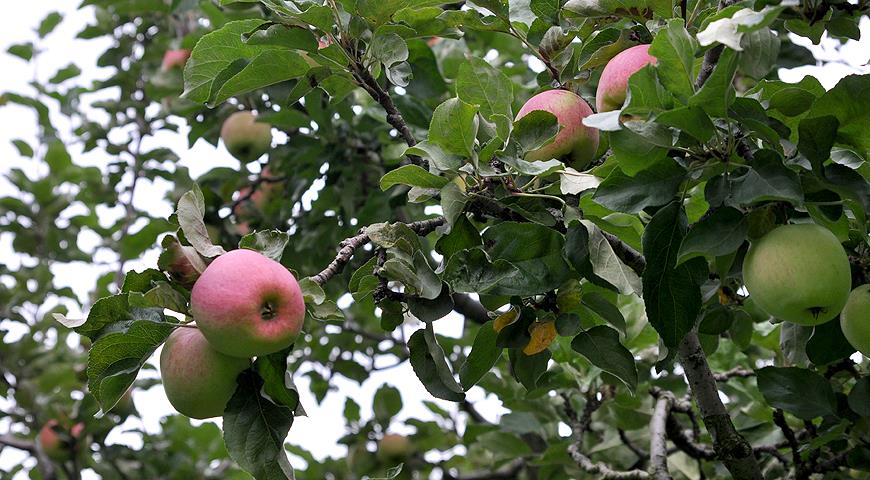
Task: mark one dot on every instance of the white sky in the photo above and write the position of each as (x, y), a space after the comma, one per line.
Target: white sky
(325, 424)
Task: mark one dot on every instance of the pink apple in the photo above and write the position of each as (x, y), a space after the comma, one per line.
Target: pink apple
(613, 84)
(244, 137)
(51, 441)
(574, 138)
(247, 304)
(198, 380)
(175, 59)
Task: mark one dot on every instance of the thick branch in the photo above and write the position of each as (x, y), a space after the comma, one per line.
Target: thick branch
(731, 448)
(658, 441)
(471, 309)
(628, 255)
(20, 444)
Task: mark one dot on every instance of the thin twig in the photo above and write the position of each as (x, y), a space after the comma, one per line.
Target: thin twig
(349, 245)
(658, 440)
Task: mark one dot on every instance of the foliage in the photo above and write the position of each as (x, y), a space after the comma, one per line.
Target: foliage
(583, 294)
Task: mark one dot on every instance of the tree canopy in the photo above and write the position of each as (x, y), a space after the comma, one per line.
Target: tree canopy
(603, 296)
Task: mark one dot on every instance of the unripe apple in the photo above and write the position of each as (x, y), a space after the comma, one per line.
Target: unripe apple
(198, 380)
(125, 407)
(174, 59)
(855, 319)
(244, 137)
(247, 305)
(613, 84)
(574, 138)
(798, 273)
(394, 447)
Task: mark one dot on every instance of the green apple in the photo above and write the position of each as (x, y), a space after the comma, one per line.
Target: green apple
(855, 319)
(247, 304)
(245, 137)
(198, 380)
(798, 273)
(575, 140)
(394, 448)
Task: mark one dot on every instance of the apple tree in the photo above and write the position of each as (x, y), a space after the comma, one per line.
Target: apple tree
(658, 250)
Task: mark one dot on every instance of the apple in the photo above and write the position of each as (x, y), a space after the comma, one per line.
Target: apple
(245, 138)
(613, 84)
(125, 406)
(247, 305)
(855, 319)
(798, 273)
(574, 138)
(394, 447)
(198, 380)
(174, 59)
(50, 438)
(56, 442)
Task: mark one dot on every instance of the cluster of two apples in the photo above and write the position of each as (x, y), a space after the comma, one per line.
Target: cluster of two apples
(800, 273)
(575, 140)
(244, 305)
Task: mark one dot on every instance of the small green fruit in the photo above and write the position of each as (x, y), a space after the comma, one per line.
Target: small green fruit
(798, 273)
(855, 319)
(245, 137)
(394, 448)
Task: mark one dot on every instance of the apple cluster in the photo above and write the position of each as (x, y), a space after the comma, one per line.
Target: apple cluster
(244, 305)
(575, 141)
(800, 273)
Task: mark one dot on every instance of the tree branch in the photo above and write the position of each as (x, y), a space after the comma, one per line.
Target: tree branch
(349, 245)
(20, 444)
(509, 472)
(658, 441)
(731, 448)
(779, 419)
(471, 309)
(602, 469)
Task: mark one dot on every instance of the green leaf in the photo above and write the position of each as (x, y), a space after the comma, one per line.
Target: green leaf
(603, 308)
(760, 53)
(49, 23)
(437, 156)
(115, 358)
(412, 175)
(691, 120)
(653, 186)
(717, 93)
(387, 403)
(430, 366)
(470, 271)
(720, 233)
(277, 380)
(768, 179)
(849, 102)
(463, 235)
(222, 64)
(23, 51)
(454, 127)
(816, 137)
(600, 345)
(190, 212)
(674, 50)
(479, 83)
(24, 149)
(801, 392)
(859, 397)
(603, 260)
(255, 429)
(671, 292)
(484, 354)
(534, 130)
(66, 73)
(828, 344)
(535, 250)
(271, 243)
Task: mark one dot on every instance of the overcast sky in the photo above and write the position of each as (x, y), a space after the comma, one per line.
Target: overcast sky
(325, 423)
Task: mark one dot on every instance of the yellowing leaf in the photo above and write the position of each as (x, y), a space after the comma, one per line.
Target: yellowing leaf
(505, 319)
(543, 334)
